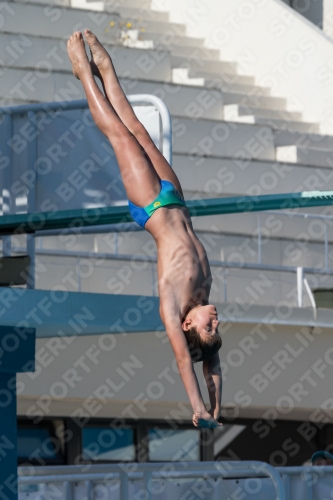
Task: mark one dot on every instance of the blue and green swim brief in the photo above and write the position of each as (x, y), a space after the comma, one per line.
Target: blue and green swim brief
(168, 196)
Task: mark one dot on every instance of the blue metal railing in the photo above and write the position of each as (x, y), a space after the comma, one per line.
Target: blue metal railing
(211, 472)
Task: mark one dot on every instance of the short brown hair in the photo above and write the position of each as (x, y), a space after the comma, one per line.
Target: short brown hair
(202, 349)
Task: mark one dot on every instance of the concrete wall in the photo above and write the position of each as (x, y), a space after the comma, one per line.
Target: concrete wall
(283, 370)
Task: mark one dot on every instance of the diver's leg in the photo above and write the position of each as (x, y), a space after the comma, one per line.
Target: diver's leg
(102, 67)
(140, 179)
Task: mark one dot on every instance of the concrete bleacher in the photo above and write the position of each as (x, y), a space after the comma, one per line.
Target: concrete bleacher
(221, 118)
(31, 20)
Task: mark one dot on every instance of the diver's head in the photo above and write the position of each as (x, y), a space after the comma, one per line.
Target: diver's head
(200, 328)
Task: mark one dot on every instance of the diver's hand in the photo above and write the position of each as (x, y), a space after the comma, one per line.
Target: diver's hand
(205, 419)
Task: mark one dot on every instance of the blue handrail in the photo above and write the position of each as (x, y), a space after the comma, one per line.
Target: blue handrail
(39, 221)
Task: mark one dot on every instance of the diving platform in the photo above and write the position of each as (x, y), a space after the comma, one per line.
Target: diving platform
(61, 313)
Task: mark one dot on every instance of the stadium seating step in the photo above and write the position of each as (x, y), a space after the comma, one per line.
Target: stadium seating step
(305, 156)
(138, 37)
(31, 18)
(313, 141)
(128, 9)
(231, 113)
(227, 76)
(50, 54)
(237, 104)
(38, 86)
(235, 110)
(136, 4)
(288, 125)
(222, 139)
(170, 37)
(147, 23)
(180, 75)
(216, 177)
(196, 63)
(182, 100)
(233, 87)
(190, 52)
(55, 3)
(136, 14)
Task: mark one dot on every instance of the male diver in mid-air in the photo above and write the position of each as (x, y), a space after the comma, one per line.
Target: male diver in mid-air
(156, 203)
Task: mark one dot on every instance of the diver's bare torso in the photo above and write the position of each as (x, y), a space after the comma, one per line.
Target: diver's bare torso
(184, 276)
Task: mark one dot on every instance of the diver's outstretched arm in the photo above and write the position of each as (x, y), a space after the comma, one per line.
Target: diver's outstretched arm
(201, 417)
(212, 372)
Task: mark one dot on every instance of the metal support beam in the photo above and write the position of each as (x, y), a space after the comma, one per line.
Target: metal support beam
(30, 223)
(300, 278)
(7, 201)
(31, 246)
(19, 358)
